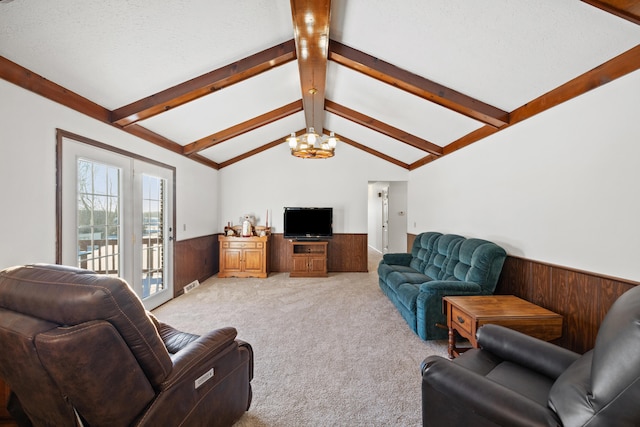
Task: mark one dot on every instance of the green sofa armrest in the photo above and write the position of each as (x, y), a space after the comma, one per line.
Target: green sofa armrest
(397, 259)
(430, 312)
(450, 287)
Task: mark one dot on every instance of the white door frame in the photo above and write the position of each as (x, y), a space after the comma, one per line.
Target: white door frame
(69, 148)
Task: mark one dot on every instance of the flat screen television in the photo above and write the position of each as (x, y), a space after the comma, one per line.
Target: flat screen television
(308, 223)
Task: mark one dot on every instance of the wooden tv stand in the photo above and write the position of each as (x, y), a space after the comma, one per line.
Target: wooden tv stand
(308, 258)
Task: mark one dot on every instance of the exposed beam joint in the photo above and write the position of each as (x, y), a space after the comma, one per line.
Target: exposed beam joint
(205, 84)
(423, 161)
(244, 127)
(417, 85)
(383, 128)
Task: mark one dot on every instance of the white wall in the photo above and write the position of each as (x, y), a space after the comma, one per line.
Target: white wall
(561, 187)
(28, 125)
(274, 179)
(398, 216)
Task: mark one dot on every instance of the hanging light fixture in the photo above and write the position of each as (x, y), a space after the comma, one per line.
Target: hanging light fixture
(312, 146)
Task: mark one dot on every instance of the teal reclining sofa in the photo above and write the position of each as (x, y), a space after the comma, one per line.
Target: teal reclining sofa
(438, 265)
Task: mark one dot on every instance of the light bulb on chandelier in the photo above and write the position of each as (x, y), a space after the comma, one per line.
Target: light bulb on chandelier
(311, 146)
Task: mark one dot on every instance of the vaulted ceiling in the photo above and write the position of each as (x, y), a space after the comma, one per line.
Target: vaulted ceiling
(407, 81)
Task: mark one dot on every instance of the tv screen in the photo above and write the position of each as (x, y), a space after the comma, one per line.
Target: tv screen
(308, 223)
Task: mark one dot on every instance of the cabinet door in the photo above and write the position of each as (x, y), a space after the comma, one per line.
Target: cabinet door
(253, 261)
(300, 263)
(231, 260)
(318, 264)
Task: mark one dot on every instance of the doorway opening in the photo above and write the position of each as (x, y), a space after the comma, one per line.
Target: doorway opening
(387, 216)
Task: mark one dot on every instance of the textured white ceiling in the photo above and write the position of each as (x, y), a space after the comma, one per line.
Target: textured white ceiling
(502, 52)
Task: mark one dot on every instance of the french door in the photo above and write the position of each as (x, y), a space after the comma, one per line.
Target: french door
(117, 218)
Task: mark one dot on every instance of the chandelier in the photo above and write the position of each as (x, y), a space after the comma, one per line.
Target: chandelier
(312, 146)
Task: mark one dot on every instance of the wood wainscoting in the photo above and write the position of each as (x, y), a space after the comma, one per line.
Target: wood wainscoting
(195, 259)
(582, 298)
(199, 258)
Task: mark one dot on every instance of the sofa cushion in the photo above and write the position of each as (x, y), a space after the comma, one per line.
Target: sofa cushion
(477, 263)
(397, 278)
(446, 254)
(385, 269)
(424, 249)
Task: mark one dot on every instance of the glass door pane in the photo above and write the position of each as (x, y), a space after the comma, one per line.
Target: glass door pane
(153, 247)
(153, 252)
(98, 217)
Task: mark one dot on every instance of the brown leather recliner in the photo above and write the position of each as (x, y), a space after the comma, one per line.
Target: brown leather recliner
(78, 348)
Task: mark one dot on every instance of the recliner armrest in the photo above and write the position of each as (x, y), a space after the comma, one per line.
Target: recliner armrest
(397, 259)
(174, 340)
(197, 352)
(478, 394)
(533, 353)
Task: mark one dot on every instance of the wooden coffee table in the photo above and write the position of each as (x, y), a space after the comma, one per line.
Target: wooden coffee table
(465, 314)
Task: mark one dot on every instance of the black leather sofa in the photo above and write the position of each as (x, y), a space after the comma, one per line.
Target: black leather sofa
(516, 380)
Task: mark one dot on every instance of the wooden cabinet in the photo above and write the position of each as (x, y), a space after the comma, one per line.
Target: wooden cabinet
(244, 256)
(308, 259)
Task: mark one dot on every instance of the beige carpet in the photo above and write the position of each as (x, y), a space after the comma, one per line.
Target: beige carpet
(328, 351)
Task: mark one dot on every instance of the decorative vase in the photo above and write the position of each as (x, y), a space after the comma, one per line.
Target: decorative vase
(246, 228)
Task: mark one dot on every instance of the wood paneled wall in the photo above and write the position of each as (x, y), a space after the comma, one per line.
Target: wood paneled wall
(582, 298)
(195, 259)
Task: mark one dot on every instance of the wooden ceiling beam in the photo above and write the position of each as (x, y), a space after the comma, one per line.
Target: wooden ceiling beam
(241, 128)
(27, 79)
(260, 149)
(383, 128)
(617, 67)
(155, 138)
(205, 84)
(469, 139)
(423, 161)
(626, 9)
(372, 151)
(417, 85)
(311, 33)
